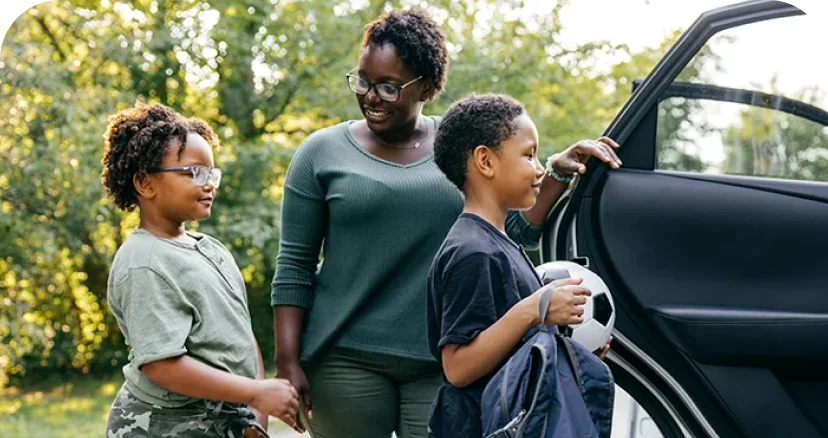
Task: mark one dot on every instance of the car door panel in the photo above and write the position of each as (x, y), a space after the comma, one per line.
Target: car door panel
(735, 294)
(721, 229)
(746, 306)
(747, 337)
(759, 399)
(720, 281)
(736, 301)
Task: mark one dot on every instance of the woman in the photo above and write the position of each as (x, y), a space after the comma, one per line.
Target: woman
(351, 336)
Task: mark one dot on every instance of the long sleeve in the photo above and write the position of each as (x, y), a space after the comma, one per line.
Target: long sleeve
(378, 225)
(521, 231)
(304, 218)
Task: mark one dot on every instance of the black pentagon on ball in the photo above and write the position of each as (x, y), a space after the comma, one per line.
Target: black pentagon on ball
(601, 308)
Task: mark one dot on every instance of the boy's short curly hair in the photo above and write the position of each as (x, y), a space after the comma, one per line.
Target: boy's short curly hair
(476, 120)
(419, 41)
(136, 141)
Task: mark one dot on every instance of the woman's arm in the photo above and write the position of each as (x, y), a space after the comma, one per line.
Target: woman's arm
(571, 161)
(288, 322)
(303, 223)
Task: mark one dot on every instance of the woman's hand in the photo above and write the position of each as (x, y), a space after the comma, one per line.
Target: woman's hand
(573, 159)
(293, 372)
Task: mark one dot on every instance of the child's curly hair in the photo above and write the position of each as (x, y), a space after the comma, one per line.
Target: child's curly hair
(136, 141)
(487, 119)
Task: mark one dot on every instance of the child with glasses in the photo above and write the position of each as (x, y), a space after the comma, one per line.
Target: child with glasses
(194, 368)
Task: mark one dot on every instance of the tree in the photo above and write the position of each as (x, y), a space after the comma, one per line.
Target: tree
(264, 74)
(767, 142)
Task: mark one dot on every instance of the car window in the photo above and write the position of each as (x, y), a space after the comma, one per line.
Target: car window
(775, 127)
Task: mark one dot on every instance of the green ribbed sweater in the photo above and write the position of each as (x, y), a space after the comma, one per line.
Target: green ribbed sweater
(378, 225)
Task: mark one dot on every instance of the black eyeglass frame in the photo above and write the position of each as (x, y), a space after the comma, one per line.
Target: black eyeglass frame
(374, 85)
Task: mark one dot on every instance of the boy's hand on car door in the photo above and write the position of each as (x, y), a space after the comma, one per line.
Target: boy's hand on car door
(574, 158)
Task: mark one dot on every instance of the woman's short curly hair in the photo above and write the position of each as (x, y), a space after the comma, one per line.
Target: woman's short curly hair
(419, 42)
(136, 141)
(476, 120)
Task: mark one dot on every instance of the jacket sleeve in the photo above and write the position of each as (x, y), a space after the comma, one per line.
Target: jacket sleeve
(521, 231)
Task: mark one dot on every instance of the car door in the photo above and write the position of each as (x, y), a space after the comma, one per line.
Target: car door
(713, 237)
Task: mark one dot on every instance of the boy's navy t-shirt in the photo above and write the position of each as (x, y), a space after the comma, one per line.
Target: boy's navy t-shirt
(477, 275)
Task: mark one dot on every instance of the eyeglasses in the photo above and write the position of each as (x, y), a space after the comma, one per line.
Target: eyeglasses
(385, 91)
(201, 174)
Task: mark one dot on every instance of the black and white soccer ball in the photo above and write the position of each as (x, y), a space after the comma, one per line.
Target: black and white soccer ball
(599, 311)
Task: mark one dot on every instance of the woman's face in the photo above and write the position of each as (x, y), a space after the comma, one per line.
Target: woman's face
(383, 64)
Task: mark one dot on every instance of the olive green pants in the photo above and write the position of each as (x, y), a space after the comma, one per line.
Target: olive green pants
(356, 394)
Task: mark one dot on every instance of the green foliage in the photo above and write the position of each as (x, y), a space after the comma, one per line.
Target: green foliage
(673, 135)
(758, 142)
(264, 74)
(766, 142)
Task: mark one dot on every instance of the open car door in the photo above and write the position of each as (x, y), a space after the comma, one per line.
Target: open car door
(713, 237)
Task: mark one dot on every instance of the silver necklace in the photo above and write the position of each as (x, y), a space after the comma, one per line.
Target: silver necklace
(414, 146)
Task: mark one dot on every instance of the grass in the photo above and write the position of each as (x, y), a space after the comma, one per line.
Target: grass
(76, 408)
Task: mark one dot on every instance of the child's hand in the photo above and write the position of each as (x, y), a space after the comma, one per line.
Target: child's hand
(567, 303)
(603, 353)
(278, 398)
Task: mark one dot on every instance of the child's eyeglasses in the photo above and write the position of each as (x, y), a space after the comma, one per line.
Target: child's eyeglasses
(201, 174)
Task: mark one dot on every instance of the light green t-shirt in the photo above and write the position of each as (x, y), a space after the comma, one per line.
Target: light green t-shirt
(172, 298)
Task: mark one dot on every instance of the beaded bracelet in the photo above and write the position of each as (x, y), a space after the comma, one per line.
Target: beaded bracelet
(557, 177)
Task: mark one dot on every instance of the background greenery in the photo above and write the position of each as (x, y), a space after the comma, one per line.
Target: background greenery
(264, 74)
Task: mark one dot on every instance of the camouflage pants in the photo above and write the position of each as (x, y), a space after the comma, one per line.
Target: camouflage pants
(133, 418)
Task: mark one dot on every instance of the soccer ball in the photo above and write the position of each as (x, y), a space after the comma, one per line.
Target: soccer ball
(599, 310)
